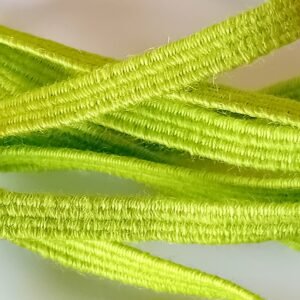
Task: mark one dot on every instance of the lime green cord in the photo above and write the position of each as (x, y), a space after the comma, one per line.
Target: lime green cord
(222, 164)
(139, 78)
(147, 218)
(115, 261)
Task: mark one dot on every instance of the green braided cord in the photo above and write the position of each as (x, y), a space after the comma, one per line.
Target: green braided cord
(156, 72)
(153, 119)
(117, 261)
(147, 218)
(174, 137)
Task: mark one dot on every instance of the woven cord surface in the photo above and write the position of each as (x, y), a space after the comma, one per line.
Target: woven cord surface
(223, 164)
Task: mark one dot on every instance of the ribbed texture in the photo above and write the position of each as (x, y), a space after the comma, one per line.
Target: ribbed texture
(223, 164)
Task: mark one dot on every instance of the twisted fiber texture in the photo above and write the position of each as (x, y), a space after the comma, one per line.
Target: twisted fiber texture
(132, 219)
(222, 164)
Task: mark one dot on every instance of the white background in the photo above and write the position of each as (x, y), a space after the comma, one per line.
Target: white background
(120, 28)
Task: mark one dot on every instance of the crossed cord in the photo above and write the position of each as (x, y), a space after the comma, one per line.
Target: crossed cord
(223, 164)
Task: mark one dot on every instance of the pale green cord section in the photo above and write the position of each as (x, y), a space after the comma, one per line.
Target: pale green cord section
(174, 179)
(215, 136)
(147, 218)
(158, 122)
(117, 261)
(154, 73)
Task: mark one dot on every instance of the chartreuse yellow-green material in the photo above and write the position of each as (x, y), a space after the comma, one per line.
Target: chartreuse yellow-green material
(222, 164)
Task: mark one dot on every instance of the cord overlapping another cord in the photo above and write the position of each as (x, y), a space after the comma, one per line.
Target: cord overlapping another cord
(222, 164)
